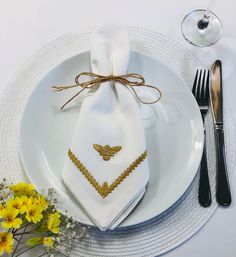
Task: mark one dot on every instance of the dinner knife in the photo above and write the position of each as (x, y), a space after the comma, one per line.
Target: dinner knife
(223, 195)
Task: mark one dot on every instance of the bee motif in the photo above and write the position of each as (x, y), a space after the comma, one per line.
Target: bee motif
(106, 151)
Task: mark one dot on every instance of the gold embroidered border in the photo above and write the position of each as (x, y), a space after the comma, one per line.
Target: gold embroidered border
(104, 190)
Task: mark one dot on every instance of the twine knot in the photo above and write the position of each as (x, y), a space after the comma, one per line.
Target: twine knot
(94, 80)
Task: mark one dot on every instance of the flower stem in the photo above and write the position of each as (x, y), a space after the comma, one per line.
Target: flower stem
(27, 250)
(18, 242)
(24, 233)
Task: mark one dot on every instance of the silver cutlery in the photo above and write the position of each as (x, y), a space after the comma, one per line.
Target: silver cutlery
(223, 195)
(200, 91)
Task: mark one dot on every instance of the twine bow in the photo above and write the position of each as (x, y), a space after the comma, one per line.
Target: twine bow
(131, 80)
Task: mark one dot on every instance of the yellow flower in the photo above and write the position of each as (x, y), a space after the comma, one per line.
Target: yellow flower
(23, 188)
(6, 242)
(1, 209)
(54, 222)
(17, 203)
(40, 200)
(25, 202)
(34, 213)
(30, 200)
(10, 220)
(48, 241)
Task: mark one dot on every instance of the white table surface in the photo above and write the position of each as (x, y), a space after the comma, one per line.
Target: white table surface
(27, 25)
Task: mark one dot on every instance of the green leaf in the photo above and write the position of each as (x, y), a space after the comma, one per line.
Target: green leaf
(41, 228)
(34, 241)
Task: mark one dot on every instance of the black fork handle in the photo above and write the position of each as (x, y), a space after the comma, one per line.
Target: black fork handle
(204, 191)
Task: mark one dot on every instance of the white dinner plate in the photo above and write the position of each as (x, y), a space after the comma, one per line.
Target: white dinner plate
(173, 128)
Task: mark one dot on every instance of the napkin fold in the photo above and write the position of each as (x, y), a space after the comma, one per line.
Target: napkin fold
(107, 168)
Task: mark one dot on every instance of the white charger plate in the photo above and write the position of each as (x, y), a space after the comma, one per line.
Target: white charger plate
(174, 134)
(160, 234)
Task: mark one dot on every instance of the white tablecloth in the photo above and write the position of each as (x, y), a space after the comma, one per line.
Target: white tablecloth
(27, 25)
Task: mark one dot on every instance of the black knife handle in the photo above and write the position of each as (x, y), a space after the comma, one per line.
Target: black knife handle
(223, 195)
(204, 193)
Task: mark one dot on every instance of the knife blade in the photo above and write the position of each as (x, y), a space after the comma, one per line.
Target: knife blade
(223, 195)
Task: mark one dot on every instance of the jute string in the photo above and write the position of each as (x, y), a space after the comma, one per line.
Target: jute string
(131, 80)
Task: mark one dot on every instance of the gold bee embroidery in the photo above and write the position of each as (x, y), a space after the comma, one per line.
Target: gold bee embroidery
(105, 189)
(106, 151)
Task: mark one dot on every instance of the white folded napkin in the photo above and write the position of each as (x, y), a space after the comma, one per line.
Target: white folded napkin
(107, 168)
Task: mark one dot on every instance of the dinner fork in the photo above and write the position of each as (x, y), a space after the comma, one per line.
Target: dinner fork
(201, 93)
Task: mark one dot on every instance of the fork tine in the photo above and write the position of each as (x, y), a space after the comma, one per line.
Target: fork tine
(198, 89)
(207, 87)
(195, 84)
(203, 86)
